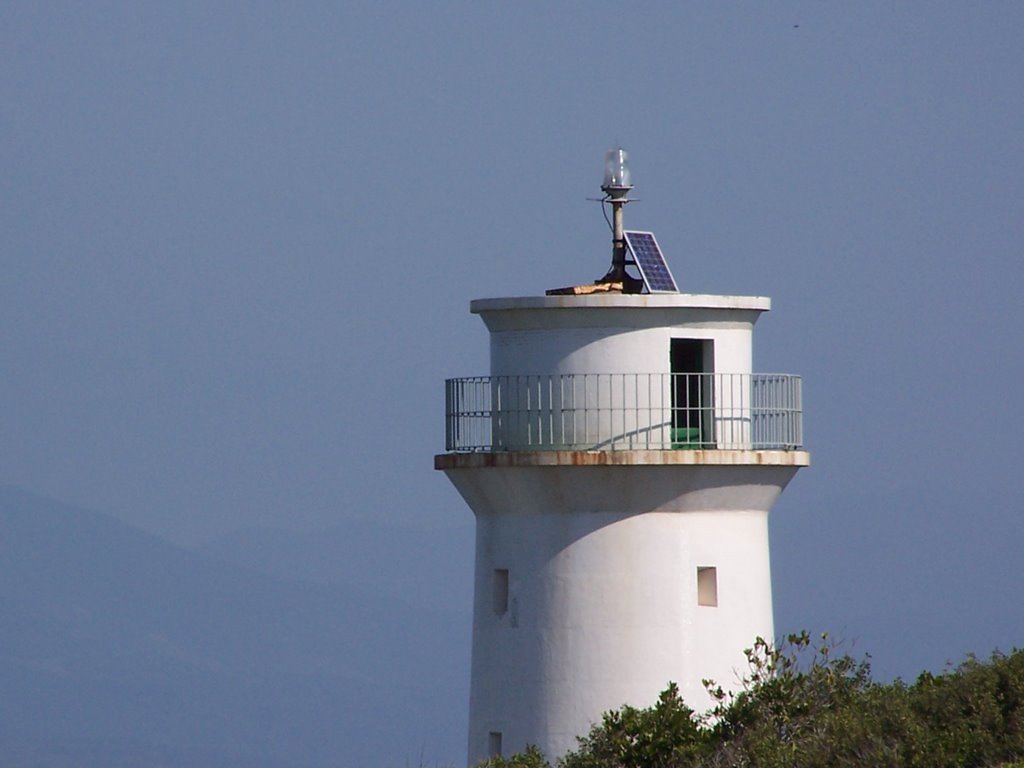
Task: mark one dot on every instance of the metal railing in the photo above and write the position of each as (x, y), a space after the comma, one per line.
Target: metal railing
(624, 411)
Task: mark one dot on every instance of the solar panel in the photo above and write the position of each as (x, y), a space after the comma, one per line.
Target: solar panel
(648, 259)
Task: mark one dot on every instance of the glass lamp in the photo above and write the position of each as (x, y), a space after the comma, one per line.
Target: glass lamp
(617, 178)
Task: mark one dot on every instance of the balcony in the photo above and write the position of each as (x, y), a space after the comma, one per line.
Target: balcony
(624, 412)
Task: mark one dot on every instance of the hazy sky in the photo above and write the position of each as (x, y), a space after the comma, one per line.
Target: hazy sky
(239, 241)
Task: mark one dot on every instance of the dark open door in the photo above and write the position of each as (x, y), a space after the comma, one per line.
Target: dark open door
(691, 364)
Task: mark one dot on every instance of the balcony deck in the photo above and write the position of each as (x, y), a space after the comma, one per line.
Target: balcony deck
(637, 458)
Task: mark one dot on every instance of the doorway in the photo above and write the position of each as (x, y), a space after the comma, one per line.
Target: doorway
(692, 363)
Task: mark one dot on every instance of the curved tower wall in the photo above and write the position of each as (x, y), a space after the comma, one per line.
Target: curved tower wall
(615, 334)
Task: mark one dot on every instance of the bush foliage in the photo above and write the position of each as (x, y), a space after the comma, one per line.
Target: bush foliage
(805, 704)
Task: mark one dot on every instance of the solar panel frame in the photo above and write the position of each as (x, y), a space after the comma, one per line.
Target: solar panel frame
(647, 255)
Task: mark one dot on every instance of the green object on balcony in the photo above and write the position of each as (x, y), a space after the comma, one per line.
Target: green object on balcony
(685, 438)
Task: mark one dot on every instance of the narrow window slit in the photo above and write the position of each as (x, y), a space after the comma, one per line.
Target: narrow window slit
(500, 592)
(494, 742)
(707, 586)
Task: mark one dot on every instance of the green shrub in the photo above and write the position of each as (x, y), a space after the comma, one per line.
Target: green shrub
(531, 758)
(663, 736)
(808, 705)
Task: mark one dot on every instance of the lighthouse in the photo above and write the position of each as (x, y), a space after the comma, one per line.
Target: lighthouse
(620, 458)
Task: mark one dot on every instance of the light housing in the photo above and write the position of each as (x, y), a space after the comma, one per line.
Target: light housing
(617, 178)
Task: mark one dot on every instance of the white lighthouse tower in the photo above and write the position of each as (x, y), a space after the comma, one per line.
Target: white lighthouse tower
(621, 458)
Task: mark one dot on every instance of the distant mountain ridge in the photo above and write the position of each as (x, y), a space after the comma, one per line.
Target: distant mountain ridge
(369, 555)
(119, 648)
